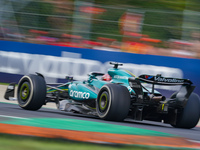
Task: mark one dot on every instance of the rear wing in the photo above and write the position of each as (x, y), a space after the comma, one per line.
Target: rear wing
(181, 96)
(159, 80)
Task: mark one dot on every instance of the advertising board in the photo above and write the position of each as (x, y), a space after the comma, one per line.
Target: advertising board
(17, 59)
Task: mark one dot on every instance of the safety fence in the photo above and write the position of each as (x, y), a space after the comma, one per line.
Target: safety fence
(85, 24)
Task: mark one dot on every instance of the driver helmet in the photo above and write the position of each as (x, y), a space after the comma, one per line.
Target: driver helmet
(106, 77)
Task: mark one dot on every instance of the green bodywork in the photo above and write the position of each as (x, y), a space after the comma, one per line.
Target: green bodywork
(85, 90)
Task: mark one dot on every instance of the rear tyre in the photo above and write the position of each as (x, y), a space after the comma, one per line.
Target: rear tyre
(113, 102)
(31, 92)
(189, 116)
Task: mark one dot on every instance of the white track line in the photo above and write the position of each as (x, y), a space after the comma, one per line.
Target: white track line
(15, 117)
(194, 141)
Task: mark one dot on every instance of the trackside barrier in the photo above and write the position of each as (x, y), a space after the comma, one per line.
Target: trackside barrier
(17, 59)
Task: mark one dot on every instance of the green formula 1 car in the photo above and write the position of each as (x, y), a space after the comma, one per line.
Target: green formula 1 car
(113, 96)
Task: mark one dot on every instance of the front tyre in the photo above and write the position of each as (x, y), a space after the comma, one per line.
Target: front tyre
(189, 116)
(31, 92)
(113, 102)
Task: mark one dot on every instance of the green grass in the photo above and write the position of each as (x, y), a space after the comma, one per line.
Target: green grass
(12, 142)
(4, 83)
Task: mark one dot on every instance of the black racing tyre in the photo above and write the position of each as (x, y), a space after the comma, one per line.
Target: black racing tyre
(113, 102)
(31, 92)
(189, 116)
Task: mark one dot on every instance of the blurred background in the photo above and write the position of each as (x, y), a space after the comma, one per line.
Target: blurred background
(167, 27)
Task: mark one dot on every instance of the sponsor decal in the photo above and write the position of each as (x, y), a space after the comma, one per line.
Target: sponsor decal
(140, 96)
(134, 85)
(168, 80)
(78, 94)
(148, 77)
(120, 77)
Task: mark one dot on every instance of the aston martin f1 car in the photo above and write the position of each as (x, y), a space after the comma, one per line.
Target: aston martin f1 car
(113, 96)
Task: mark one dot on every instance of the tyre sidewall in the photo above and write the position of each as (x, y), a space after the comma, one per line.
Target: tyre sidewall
(37, 93)
(119, 102)
(107, 90)
(25, 79)
(189, 116)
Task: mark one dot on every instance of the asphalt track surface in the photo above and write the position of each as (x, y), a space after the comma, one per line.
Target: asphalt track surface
(9, 110)
(12, 110)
